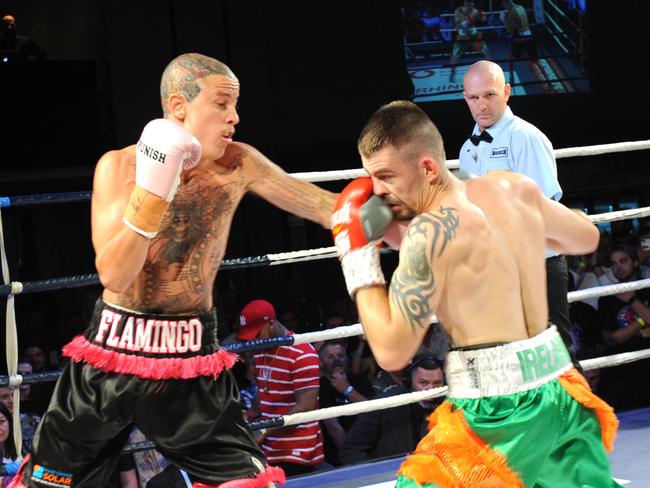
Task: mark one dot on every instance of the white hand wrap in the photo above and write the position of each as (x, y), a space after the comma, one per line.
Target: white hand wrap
(362, 267)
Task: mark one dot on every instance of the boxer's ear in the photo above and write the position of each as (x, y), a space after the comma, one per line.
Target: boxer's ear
(176, 105)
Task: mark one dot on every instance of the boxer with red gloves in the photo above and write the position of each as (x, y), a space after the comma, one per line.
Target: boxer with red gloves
(473, 255)
(161, 214)
(358, 223)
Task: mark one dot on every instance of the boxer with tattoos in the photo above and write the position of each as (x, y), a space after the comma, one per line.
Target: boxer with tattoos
(161, 215)
(517, 412)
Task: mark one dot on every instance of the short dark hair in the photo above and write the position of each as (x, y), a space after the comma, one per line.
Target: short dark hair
(331, 342)
(627, 249)
(425, 360)
(400, 123)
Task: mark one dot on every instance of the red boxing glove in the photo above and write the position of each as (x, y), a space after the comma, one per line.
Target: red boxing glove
(359, 219)
(359, 216)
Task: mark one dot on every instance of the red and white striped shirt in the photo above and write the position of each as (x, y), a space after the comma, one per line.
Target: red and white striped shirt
(280, 373)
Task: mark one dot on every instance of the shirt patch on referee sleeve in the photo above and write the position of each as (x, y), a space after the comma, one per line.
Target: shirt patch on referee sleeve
(499, 152)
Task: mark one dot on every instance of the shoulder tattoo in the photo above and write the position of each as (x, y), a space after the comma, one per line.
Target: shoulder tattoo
(413, 284)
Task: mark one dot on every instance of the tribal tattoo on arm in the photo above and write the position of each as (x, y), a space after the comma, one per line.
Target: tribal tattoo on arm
(413, 284)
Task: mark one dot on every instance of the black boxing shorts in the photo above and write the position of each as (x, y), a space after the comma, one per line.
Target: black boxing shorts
(165, 374)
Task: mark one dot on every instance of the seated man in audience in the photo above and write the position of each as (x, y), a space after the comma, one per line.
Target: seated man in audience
(625, 324)
(287, 383)
(338, 386)
(40, 393)
(397, 430)
(24, 368)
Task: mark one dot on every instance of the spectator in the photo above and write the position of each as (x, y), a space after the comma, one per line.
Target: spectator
(28, 421)
(386, 381)
(287, 381)
(339, 386)
(40, 393)
(9, 456)
(23, 368)
(395, 430)
(35, 355)
(18, 45)
(624, 320)
(8, 33)
(625, 317)
(502, 141)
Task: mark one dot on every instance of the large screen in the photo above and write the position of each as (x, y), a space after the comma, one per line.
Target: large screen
(542, 45)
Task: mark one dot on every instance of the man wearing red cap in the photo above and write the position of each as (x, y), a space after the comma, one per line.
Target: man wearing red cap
(288, 382)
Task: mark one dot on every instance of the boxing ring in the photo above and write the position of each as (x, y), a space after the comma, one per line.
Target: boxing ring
(634, 433)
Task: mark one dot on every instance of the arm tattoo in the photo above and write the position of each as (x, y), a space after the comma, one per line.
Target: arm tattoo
(413, 284)
(298, 197)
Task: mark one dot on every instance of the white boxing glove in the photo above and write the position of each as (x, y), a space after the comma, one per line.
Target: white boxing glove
(165, 148)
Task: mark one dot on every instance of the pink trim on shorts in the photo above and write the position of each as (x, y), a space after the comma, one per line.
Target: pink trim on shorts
(82, 350)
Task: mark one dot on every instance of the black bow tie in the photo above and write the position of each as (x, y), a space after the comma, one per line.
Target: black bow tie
(484, 136)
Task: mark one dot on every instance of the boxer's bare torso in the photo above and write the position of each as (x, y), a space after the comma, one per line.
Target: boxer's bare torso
(182, 261)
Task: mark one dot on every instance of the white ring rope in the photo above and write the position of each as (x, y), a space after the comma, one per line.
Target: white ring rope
(601, 291)
(329, 334)
(413, 397)
(614, 359)
(569, 152)
(304, 255)
(365, 406)
(620, 215)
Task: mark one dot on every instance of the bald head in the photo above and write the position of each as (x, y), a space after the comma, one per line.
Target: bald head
(486, 93)
(183, 75)
(485, 71)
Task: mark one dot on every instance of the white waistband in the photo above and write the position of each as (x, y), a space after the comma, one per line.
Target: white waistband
(507, 369)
